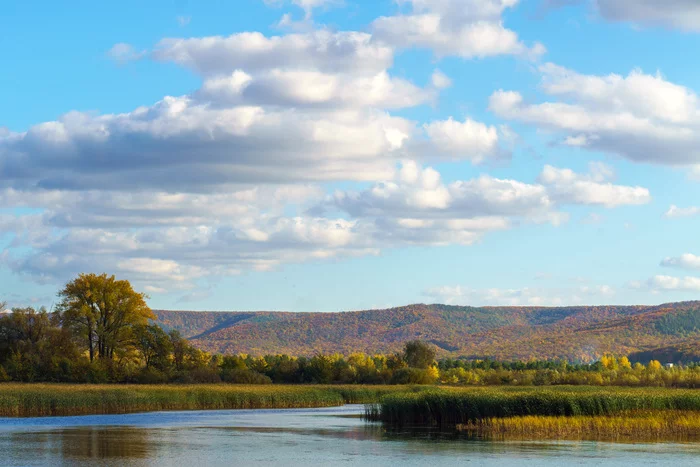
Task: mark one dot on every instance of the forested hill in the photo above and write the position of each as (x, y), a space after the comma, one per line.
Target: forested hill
(580, 333)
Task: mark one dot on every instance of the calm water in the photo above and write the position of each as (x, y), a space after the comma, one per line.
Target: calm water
(305, 437)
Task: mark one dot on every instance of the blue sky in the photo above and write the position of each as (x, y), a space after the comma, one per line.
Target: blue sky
(322, 155)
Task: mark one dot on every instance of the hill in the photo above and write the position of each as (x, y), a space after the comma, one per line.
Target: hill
(580, 333)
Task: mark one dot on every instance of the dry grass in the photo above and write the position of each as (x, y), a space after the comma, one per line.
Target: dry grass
(657, 425)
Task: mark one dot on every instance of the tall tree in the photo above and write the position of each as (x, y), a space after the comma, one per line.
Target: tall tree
(418, 354)
(155, 346)
(102, 311)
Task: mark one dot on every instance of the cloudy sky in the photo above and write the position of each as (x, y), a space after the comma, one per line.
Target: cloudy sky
(347, 154)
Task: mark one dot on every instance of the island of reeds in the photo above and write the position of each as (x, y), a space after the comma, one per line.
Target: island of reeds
(101, 351)
(553, 412)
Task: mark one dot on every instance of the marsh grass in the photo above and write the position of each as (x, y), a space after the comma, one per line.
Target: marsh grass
(40, 400)
(474, 406)
(632, 426)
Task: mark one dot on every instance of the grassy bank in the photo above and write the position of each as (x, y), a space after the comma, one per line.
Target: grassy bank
(632, 426)
(38, 400)
(453, 407)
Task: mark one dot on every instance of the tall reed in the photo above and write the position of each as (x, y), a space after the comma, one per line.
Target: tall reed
(33, 400)
(654, 425)
(453, 407)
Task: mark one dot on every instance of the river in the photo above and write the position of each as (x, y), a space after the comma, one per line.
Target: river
(298, 437)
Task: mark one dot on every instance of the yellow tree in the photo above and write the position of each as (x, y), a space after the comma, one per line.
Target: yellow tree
(102, 312)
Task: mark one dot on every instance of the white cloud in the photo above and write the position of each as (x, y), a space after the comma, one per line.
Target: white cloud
(174, 258)
(669, 283)
(231, 177)
(419, 192)
(464, 28)
(440, 80)
(418, 207)
(566, 186)
(270, 110)
(641, 117)
(123, 53)
(183, 20)
(685, 261)
(674, 212)
(223, 180)
(183, 144)
(323, 50)
(460, 295)
(469, 140)
(314, 89)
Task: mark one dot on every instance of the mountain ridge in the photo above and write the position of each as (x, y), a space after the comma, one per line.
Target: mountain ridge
(577, 333)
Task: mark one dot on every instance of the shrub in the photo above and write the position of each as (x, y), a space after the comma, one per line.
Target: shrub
(414, 376)
(4, 377)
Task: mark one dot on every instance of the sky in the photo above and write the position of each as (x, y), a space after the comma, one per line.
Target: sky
(329, 155)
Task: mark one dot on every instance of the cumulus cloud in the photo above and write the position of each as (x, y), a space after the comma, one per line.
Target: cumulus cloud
(232, 177)
(685, 261)
(322, 50)
(315, 89)
(417, 205)
(270, 110)
(460, 295)
(180, 143)
(467, 140)
(224, 179)
(172, 258)
(641, 117)
(661, 283)
(463, 28)
(167, 241)
(419, 190)
(566, 186)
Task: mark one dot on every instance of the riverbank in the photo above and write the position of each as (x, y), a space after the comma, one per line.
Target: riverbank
(43, 400)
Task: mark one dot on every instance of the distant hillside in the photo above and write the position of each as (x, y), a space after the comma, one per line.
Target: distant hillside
(576, 333)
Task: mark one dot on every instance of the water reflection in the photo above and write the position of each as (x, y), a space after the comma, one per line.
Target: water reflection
(289, 438)
(87, 443)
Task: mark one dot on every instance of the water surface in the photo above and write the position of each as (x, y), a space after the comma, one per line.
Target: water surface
(298, 437)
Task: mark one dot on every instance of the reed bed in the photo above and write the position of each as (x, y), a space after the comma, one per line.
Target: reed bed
(40, 400)
(453, 407)
(659, 425)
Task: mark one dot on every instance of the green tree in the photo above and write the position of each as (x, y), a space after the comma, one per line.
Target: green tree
(155, 346)
(33, 347)
(101, 311)
(418, 354)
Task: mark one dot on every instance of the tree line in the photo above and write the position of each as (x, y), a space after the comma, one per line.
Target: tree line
(102, 331)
